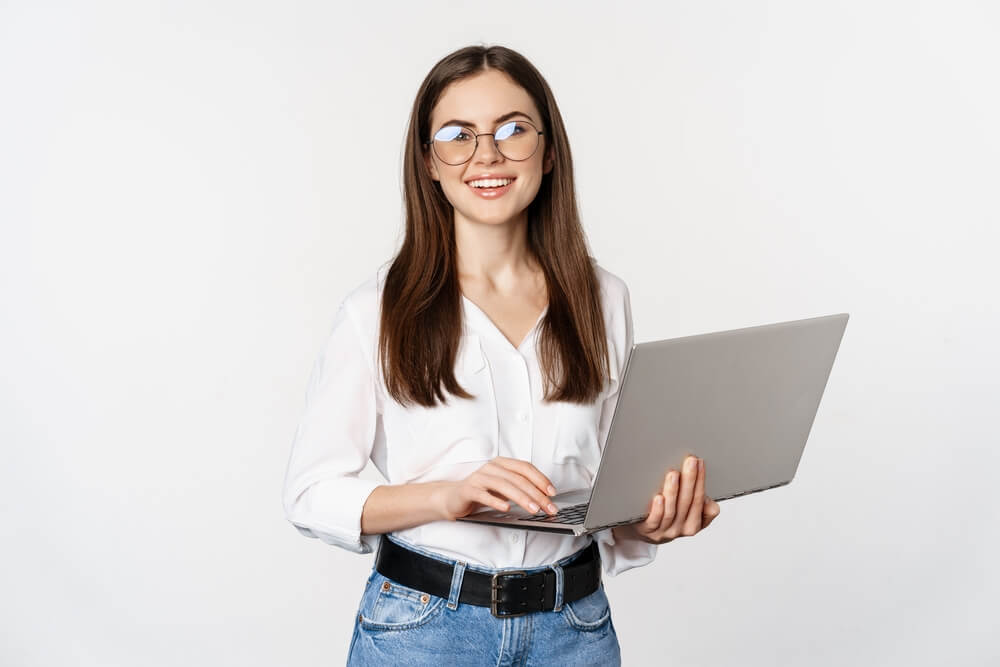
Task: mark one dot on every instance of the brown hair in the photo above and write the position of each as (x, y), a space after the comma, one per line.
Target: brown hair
(422, 292)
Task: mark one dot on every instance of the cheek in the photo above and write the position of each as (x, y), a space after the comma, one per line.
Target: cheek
(453, 190)
(533, 177)
(532, 184)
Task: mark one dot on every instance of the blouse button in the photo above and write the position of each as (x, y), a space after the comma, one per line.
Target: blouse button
(522, 416)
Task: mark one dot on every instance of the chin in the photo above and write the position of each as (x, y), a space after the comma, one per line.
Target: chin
(497, 218)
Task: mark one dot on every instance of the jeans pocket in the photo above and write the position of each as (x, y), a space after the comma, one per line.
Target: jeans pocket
(589, 613)
(388, 605)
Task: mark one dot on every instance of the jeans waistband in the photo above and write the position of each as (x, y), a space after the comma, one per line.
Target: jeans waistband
(482, 568)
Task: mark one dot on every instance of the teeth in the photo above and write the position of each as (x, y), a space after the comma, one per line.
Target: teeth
(490, 182)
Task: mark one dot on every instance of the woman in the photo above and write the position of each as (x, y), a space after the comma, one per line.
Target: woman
(446, 369)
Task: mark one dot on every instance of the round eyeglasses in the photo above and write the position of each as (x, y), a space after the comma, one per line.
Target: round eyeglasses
(516, 140)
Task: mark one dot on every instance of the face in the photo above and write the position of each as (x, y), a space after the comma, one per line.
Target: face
(481, 99)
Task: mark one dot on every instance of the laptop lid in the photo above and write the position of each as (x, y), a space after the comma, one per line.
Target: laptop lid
(744, 400)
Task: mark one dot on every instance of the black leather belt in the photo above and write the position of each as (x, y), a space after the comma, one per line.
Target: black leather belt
(507, 593)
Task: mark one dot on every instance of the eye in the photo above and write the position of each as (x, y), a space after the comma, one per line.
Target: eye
(452, 133)
(509, 130)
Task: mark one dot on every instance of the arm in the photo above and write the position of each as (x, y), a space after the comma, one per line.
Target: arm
(619, 550)
(323, 494)
(495, 484)
(399, 506)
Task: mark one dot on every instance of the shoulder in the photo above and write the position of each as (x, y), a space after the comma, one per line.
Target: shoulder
(617, 319)
(614, 290)
(362, 303)
(617, 306)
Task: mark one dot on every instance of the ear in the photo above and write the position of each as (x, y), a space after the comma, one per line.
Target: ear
(429, 161)
(550, 160)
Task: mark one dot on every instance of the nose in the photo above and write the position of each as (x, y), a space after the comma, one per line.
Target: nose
(486, 150)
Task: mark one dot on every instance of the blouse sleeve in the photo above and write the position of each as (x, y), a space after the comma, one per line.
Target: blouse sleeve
(323, 496)
(623, 554)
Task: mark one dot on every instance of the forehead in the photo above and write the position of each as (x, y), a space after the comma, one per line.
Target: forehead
(481, 99)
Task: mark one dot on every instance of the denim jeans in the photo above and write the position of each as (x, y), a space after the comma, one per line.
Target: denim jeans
(397, 625)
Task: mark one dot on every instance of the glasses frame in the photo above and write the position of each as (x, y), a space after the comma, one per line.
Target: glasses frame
(484, 134)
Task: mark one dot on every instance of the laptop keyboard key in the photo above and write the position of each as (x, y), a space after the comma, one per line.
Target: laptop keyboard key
(571, 515)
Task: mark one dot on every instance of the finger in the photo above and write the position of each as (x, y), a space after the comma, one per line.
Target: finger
(484, 497)
(669, 502)
(652, 521)
(693, 523)
(530, 471)
(711, 511)
(501, 484)
(667, 489)
(538, 496)
(684, 494)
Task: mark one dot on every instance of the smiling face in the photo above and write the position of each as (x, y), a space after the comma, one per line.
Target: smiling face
(481, 99)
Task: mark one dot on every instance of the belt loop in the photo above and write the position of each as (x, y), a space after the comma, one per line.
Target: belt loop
(456, 585)
(557, 605)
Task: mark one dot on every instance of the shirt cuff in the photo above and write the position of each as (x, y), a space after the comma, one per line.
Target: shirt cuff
(330, 510)
(622, 555)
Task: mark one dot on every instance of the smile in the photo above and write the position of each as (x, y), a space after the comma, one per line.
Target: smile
(491, 188)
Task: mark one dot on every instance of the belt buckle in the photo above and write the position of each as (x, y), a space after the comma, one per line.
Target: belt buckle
(495, 586)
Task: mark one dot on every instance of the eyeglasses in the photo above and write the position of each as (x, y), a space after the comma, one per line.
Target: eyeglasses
(516, 140)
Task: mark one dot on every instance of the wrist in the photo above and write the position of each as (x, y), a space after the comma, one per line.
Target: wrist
(439, 500)
(626, 532)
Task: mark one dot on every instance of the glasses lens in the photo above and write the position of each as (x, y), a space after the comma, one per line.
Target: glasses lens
(454, 144)
(516, 140)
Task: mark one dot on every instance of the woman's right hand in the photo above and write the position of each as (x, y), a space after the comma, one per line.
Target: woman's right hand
(495, 484)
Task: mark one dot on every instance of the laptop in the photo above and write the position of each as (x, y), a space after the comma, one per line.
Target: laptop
(744, 400)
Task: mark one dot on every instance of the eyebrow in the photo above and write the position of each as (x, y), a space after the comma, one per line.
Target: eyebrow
(506, 116)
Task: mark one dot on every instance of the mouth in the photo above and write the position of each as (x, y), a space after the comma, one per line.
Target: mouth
(491, 188)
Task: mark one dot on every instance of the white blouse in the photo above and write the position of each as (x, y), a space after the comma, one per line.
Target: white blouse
(349, 418)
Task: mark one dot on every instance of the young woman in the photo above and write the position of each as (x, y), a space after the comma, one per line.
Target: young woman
(480, 367)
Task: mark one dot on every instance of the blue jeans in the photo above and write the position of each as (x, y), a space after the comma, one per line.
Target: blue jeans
(397, 625)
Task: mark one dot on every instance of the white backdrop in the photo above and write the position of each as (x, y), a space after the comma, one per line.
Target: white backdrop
(188, 189)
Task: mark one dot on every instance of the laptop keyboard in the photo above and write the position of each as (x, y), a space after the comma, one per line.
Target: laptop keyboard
(571, 515)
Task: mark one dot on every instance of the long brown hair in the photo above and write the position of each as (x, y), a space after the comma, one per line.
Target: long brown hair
(422, 292)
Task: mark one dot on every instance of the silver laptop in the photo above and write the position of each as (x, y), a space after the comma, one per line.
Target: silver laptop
(744, 400)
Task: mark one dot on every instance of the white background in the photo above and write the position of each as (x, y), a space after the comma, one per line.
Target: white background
(188, 189)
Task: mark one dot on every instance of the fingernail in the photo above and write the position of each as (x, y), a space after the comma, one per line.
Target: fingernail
(692, 462)
(551, 508)
(533, 506)
(551, 489)
(672, 478)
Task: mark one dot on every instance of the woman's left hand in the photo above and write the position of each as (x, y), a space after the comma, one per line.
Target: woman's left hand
(681, 510)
